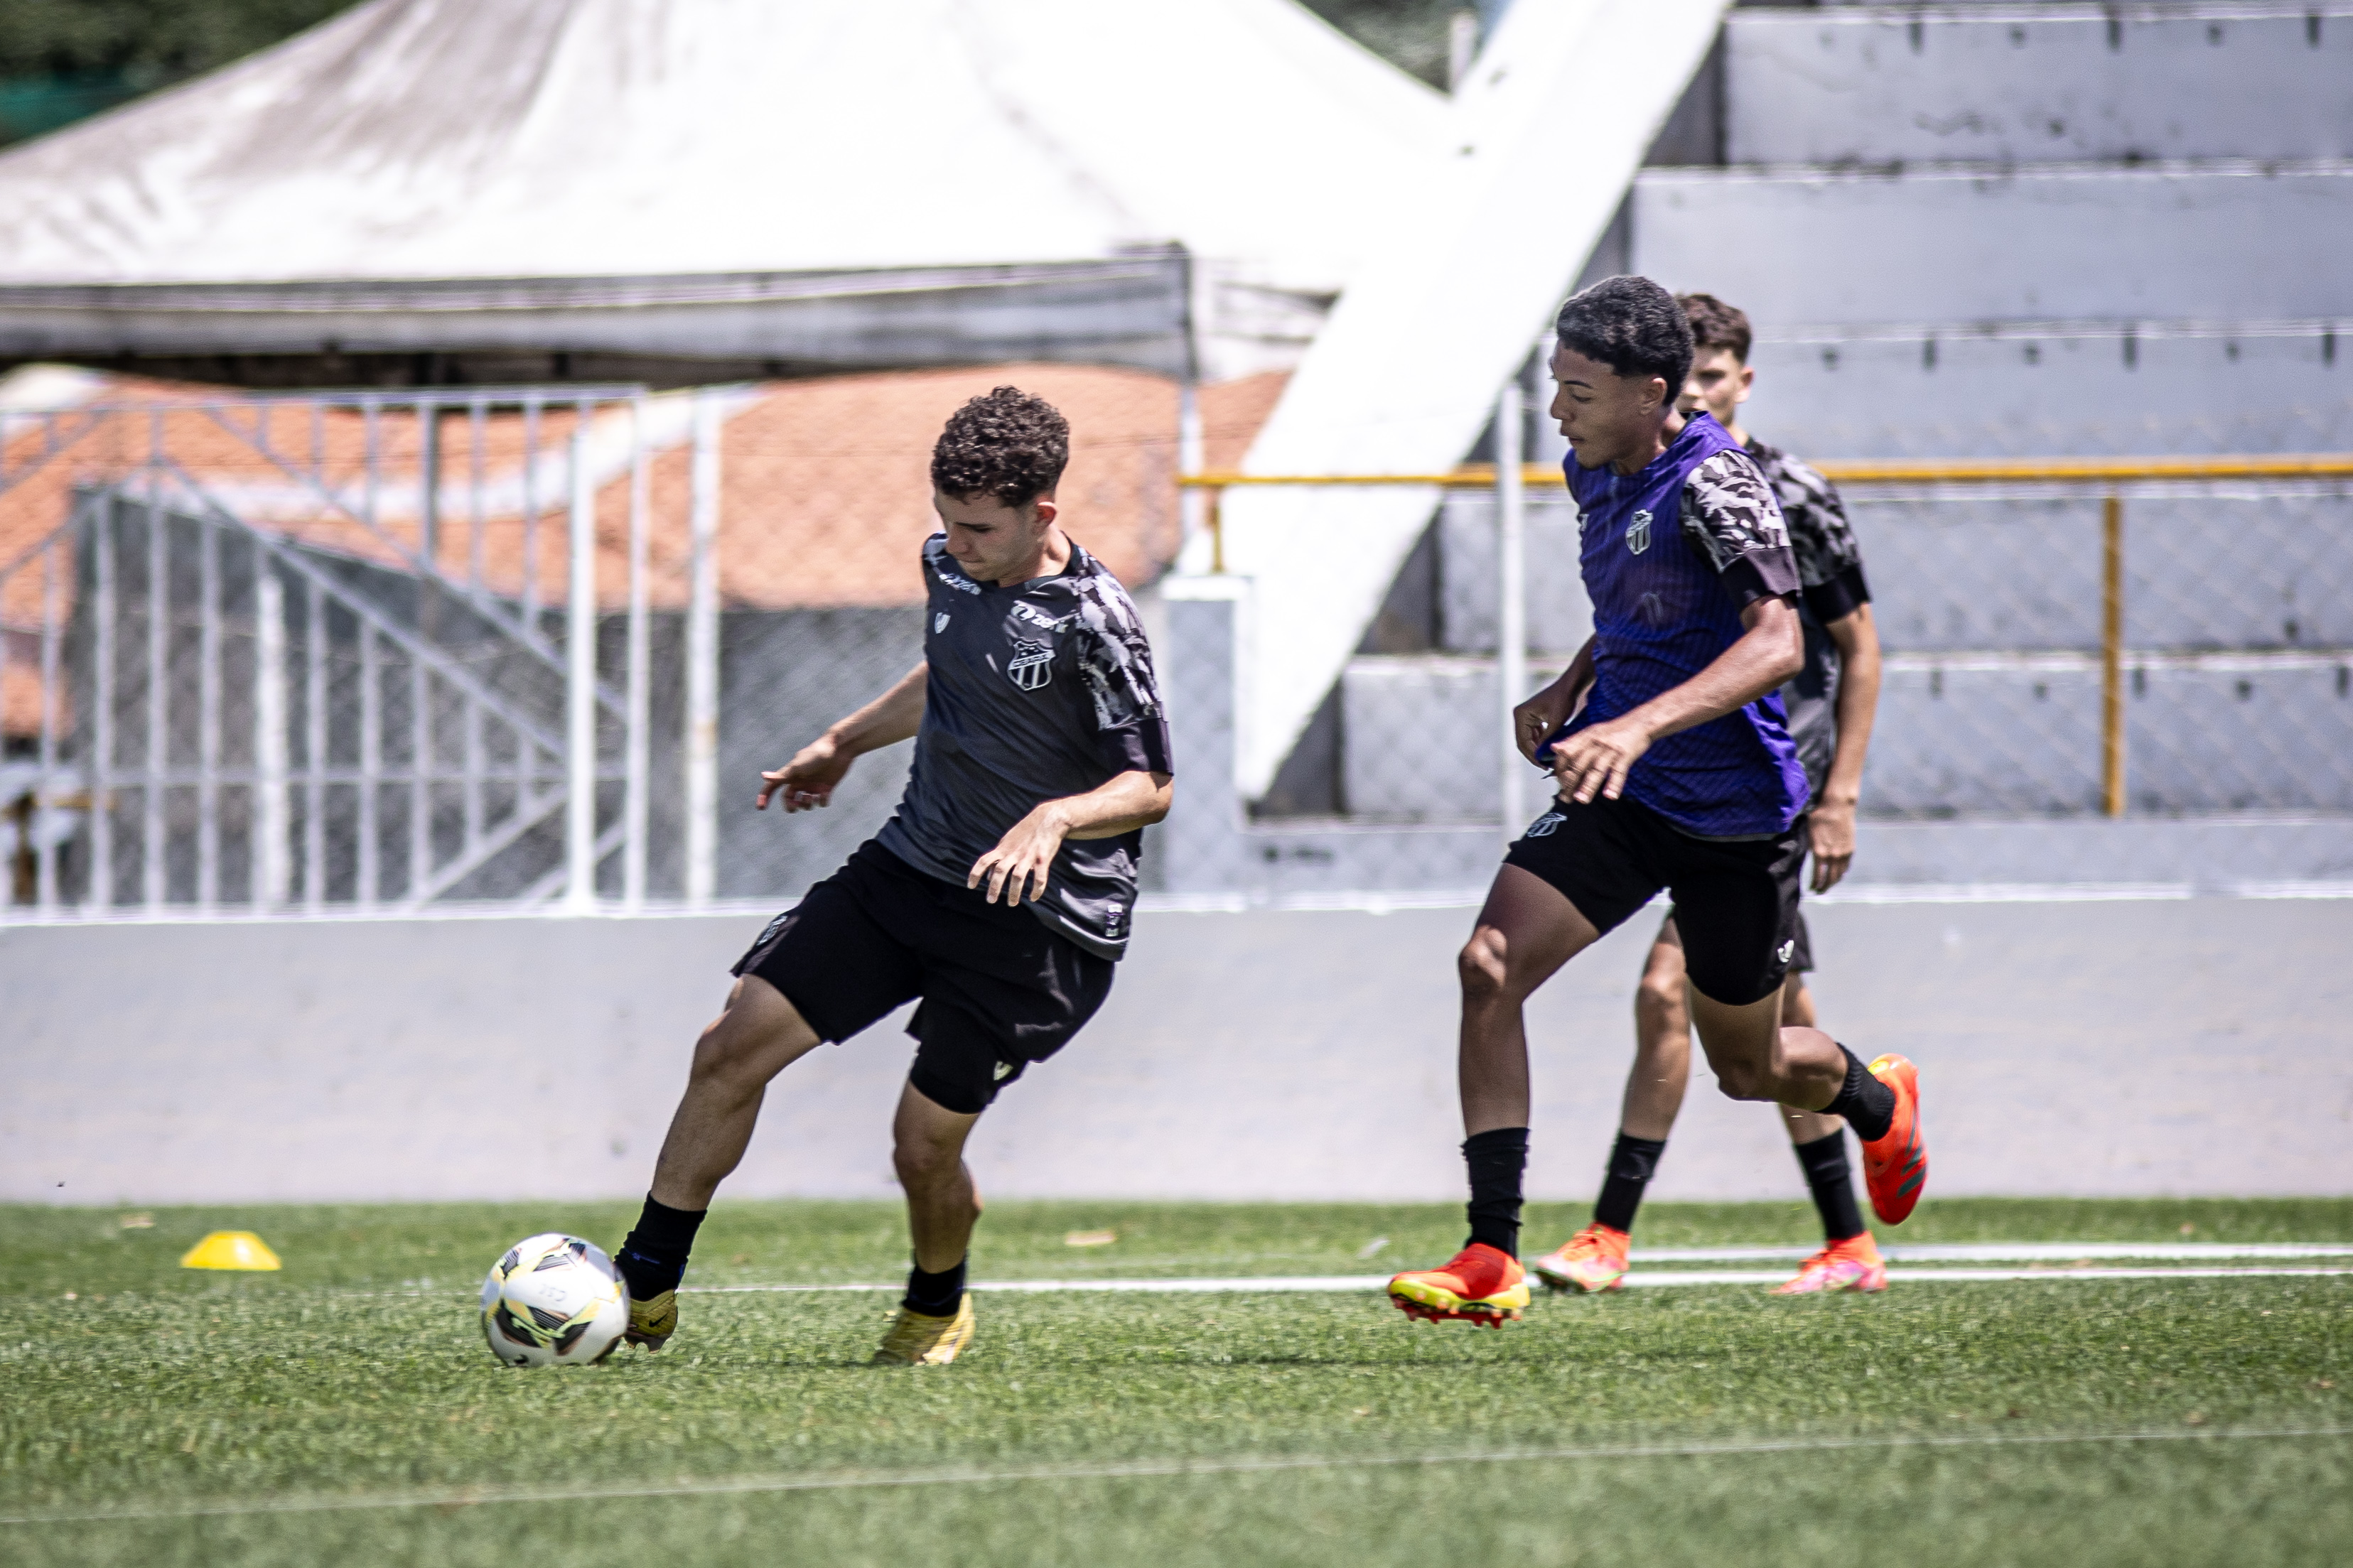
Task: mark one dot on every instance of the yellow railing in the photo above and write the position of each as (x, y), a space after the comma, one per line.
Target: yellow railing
(1866, 471)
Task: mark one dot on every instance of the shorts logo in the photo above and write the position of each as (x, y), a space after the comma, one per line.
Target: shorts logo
(1544, 826)
(1637, 533)
(1002, 1071)
(1033, 665)
(1787, 949)
(940, 621)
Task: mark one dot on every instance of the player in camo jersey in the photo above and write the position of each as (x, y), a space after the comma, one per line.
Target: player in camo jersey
(1675, 772)
(1830, 706)
(1041, 754)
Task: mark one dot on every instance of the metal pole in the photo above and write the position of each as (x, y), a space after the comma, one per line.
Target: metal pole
(429, 484)
(370, 763)
(208, 715)
(2111, 655)
(273, 851)
(1511, 598)
(45, 894)
(580, 690)
(531, 519)
(702, 661)
(99, 781)
(420, 789)
(316, 648)
(1189, 444)
(639, 694)
(158, 626)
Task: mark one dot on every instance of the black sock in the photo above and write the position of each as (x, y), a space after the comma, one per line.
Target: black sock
(1827, 1177)
(935, 1294)
(654, 1258)
(1497, 1159)
(1631, 1163)
(1868, 1105)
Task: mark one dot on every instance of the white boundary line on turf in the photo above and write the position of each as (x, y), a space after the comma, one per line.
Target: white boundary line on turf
(1151, 1469)
(2013, 1251)
(1278, 1283)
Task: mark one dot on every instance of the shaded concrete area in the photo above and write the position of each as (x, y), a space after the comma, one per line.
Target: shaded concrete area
(2190, 1046)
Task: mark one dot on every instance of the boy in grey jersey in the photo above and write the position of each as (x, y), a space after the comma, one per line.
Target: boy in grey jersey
(1830, 704)
(1041, 754)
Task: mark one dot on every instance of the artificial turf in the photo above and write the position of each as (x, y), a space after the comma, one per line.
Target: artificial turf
(358, 1374)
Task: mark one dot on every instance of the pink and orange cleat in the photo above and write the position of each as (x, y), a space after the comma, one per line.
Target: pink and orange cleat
(1853, 1263)
(1895, 1167)
(1594, 1260)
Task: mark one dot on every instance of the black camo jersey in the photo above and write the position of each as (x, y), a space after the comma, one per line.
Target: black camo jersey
(1829, 573)
(1035, 692)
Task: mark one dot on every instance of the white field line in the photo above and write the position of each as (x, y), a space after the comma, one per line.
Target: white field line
(2014, 1251)
(459, 1497)
(1270, 1284)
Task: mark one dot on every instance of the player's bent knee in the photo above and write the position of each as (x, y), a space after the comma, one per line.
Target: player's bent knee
(1484, 965)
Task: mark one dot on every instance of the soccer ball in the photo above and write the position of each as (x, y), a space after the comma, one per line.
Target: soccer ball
(554, 1300)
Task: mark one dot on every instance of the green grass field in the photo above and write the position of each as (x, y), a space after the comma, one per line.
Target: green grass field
(345, 1409)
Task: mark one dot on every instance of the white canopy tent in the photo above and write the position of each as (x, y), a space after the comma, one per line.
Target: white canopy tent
(884, 181)
(1544, 136)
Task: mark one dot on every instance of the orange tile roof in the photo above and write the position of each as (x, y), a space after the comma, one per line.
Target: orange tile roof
(825, 484)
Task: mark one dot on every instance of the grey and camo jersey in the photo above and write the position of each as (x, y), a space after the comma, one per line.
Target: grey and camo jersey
(1832, 587)
(1036, 691)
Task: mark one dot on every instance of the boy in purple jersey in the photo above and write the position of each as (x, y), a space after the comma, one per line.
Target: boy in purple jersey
(1830, 706)
(1675, 771)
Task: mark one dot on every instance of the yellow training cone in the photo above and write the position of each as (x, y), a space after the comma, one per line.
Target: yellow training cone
(230, 1249)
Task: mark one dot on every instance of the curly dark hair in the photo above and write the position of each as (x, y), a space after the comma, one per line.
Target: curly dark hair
(1632, 325)
(1716, 325)
(1008, 445)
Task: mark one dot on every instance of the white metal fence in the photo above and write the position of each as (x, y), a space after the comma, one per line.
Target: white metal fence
(319, 654)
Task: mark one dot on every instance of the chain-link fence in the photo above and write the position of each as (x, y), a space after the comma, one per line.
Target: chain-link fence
(296, 655)
(2132, 641)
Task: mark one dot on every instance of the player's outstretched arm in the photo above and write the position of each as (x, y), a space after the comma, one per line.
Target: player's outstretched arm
(1596, 761)
(1831, 822)
(809, 779)
(1025, 855)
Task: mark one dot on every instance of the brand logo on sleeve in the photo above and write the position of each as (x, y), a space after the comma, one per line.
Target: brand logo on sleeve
(1637, 533)
(1033, 665)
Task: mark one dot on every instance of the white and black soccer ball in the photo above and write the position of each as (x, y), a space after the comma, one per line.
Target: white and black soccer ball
(554, 1300)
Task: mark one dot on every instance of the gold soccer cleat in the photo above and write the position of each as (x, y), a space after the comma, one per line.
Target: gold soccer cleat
(918, 1339)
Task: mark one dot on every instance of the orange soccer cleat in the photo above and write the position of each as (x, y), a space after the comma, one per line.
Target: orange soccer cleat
(1853, 1263)
(1895, 1167)
(1482, 1285)
(1594, 1260)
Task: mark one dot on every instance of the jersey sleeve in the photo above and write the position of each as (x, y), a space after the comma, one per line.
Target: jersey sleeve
(1818, 530)
(1731, 515)
(1115, 662)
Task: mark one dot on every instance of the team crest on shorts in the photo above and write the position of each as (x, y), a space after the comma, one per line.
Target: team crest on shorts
(1637, 533)
(1544, 826)
(1033, 665)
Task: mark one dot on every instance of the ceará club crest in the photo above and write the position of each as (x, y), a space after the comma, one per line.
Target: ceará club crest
(1637, 533)
(1033, 665)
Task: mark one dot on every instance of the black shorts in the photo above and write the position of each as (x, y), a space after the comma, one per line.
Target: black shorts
(1736, 902)
(1802, 951)
(999, 989)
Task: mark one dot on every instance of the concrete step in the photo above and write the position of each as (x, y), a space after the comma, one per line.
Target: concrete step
(1975, 570)
(2105, 388)
(1952, 244)
(2050, 83)
(1962, 733)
